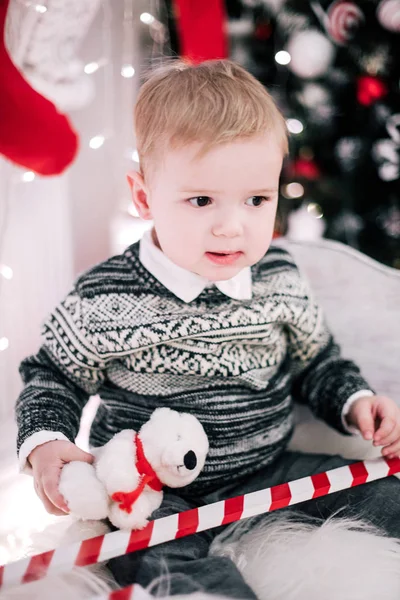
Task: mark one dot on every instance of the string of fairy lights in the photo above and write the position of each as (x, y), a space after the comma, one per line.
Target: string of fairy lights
(15, 540)
(96, 141)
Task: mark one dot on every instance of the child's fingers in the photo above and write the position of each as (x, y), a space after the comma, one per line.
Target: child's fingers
(57, 501)
(393, 437)
(366, 423)
(72, 452)
(387, 431)
(50, 488)
(392, 450)
(49, 506)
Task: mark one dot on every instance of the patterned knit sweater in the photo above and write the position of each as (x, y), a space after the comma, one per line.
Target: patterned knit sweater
(237, 365)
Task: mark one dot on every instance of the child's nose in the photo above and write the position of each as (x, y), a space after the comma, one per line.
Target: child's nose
(229, 225)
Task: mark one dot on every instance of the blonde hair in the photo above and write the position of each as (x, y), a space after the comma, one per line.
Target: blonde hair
(214, 102)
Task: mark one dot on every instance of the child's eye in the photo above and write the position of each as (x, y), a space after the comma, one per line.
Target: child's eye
(257, 200)
(199, 201)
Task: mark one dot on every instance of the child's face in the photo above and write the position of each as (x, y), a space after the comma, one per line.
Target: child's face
(214, 215)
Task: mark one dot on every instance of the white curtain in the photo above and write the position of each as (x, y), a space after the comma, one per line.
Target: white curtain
(37, 245)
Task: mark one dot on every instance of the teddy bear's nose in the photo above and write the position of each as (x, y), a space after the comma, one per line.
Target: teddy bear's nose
(190, 460)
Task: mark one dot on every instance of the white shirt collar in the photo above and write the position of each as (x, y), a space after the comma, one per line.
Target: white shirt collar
(185, 284)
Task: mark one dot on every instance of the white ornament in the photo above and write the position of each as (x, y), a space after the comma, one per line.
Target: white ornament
(317, 99)
(314, 94)
(386, 152)
(348, 151)
(290, 21)
(388, 14)
(303, 226)
(274, 5)
(391, 221)
(312, 54)
(393, 128)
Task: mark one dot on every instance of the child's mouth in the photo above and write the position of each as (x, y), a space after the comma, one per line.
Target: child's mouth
(223, 258)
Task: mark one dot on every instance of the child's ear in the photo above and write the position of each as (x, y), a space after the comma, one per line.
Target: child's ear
(140, 194)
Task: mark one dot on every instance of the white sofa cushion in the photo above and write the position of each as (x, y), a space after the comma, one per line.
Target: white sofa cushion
(361, 300)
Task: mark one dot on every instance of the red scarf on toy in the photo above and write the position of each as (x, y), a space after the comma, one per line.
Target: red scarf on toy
(147, 477)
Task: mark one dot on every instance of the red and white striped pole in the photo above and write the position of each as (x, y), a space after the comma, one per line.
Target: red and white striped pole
(117, 543)
(131, 592)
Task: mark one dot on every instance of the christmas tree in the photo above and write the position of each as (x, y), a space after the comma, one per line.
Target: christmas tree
(334, 69)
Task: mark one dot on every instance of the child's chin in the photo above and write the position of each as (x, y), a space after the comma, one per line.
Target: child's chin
(221, 273)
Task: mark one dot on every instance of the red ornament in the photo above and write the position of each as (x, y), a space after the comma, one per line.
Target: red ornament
(306, 168)
(263, 31)
(370, 89)
(202, 29)
(33, 134)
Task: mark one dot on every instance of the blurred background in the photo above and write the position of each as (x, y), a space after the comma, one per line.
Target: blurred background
(69, 76)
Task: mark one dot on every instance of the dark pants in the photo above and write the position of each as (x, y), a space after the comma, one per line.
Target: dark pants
(187, 560)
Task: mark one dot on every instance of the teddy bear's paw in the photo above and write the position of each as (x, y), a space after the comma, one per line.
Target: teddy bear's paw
(124, 520)
(141, 524)
(154, 500)
(84, 493)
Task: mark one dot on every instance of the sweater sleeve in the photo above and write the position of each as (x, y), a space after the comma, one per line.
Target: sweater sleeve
(322, 378)
(61, 377)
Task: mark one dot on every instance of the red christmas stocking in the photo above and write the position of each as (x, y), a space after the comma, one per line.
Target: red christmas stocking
(201, 28)
(33, 134)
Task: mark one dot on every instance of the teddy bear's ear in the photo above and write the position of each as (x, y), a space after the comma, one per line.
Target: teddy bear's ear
(162, 413)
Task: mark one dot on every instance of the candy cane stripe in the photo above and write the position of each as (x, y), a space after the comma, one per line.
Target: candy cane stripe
(339, 479)
(376, 469)
(393, 464)
(89, 551)
(188, 522)
(233, 510)
(63, 558)
(165, 529)
(255, 501)
(321, 484)
(124, 594)
(359, 472)
(140, 539)
(114, 542)
(211, 515)
(301, 490)
(14, 572)
(281, 496)
(38, 566)
(131, 592)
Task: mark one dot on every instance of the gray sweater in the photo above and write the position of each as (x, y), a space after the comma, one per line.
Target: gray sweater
(237, 365)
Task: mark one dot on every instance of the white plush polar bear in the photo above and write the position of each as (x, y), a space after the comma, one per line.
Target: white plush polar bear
(126, 479)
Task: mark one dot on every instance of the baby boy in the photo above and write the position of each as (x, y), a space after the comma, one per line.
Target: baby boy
(204, 316)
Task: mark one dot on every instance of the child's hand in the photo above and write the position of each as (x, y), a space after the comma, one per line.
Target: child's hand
(47, 460)
(378, 419)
